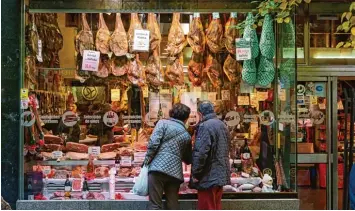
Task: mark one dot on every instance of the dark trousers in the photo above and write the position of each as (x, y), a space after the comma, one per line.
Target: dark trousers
(159, 183)
(210, 199)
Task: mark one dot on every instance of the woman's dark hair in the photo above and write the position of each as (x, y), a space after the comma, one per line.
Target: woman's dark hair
(180, 112)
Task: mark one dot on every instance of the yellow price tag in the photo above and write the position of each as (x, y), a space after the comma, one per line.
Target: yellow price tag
(115, 95)
(24, 94)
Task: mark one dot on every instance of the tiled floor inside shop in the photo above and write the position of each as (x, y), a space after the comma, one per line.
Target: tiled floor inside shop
(315, 199)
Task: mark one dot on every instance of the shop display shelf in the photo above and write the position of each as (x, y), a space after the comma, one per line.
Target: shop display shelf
(74, 162)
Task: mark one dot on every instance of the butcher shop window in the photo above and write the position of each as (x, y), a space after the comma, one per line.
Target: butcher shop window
(90, 99)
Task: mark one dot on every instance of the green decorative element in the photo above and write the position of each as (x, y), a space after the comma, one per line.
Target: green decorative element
(267, 40)
(288, 35)
(266, 71)
(249, 72)
(287, 73)
(250, 32)
(348, 26)
(281, 10)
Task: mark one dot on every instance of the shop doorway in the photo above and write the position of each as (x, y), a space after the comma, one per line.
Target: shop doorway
(317, 155)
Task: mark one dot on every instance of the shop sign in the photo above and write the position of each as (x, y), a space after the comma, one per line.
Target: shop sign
(301, 89)
(313, 99)
(49, 119)
(136, 119)
(24, 104)
(157, 101)
(110, 118)
(141, 40)
(215, 15)
(267, 118)
(262, 96)
(286, 118)
(39, 54)
(91, 60)
(243, 51)
(245, 88)
(115, 95)
(282, 94)
(232, 118)
(95, 151)
(319, 89)
(212, 97)
(248, 118)
(27, 119)
(126, 161)
(145, 91)
(57, 154)
(243, 100)
(225, 95)
(69, 119)
(24, 94)
(92, 119)
(317, 117)
(300, 100)
(254, 101)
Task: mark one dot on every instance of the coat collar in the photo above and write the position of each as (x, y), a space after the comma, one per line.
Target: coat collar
(209, 116)
(177, 121)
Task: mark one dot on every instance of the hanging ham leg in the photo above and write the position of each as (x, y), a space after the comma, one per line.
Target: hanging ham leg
(195, 69)
(231, 33)
(196, 36)
(153, 70)
(232, 69)
(176, 37)
(135, 24)
(118, 41)
(214, 35)
(174, 71)
(154, 29)
(214, 70)
(84, 40)
(102, 36)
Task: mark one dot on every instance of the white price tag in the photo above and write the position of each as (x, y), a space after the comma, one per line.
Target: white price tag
(234, 15)
(141, 40)
(196, 15)
(91, 60)
(126, 161)
(57, 154)
(39, 54)
(95, 151)
(243, 51)
(215, 15)
(46, 170)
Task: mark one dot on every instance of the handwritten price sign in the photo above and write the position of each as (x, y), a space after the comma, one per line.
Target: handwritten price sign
(243, 49)
(91, 60)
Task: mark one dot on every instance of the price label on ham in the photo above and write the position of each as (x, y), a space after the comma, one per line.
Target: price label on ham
(141, 40)
(243, 49)
(115, 94)
(126, 161)
(91, 60)
(110, 118)
(215, 15)
(57, 154)
(95, 151)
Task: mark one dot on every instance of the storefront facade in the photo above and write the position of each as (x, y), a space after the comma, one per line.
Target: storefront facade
(117, 107)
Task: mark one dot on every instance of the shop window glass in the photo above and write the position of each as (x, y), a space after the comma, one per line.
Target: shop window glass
(85, 120)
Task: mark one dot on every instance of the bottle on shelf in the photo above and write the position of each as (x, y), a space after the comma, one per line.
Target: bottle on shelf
(247, 163)
(117, 162)
(90, 167)
(67, 188)
(237, 161)
(246, 155)
(85, 188)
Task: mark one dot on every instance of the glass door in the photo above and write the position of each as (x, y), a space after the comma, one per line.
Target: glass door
(317, 147)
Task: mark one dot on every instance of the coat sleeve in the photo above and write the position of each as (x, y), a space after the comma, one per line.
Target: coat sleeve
(201, 151)
(154, 142)
(187, 154)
